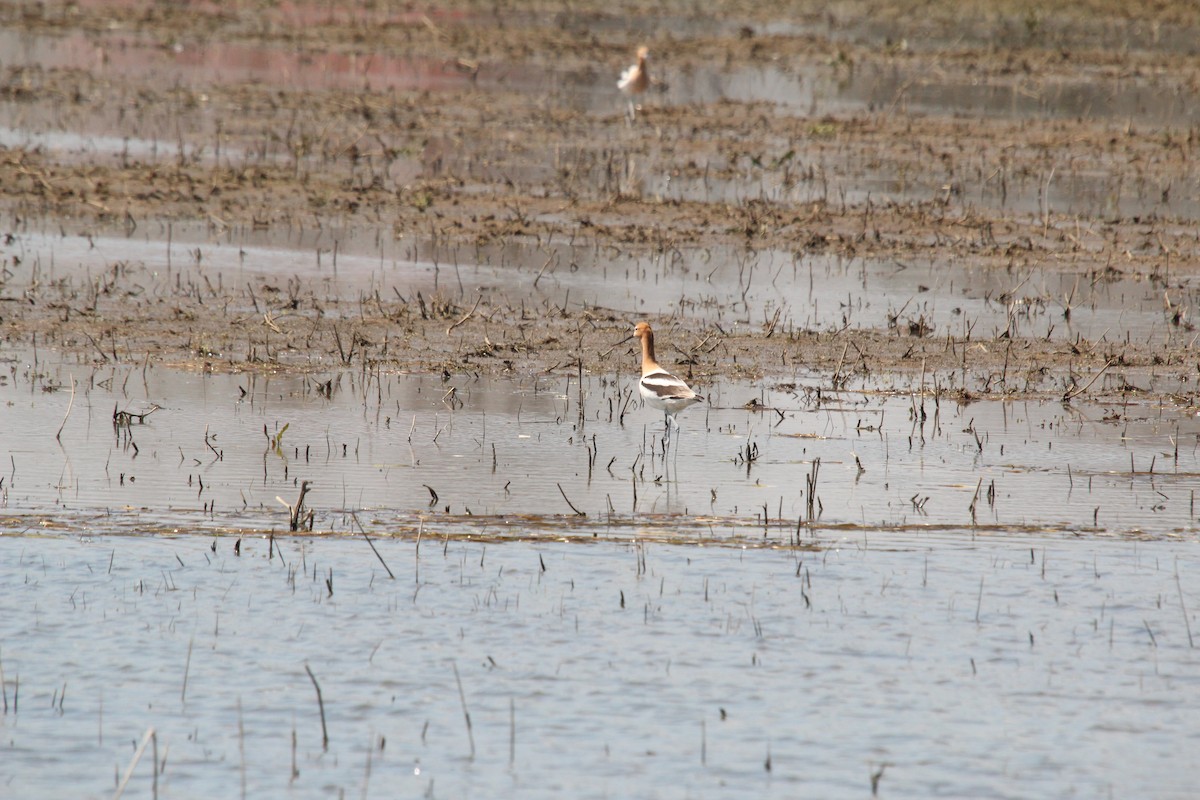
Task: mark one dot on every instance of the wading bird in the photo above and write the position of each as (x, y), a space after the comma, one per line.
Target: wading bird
(659, 388)
(635, 80)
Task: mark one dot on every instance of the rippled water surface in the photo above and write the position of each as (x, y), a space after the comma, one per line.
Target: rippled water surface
(943, 665)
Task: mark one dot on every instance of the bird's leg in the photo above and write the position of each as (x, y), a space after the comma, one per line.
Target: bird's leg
(667, 428)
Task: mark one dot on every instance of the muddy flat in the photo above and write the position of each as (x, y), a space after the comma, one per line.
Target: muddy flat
(944, 193)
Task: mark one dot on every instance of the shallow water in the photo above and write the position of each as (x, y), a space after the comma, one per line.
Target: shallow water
(220, 450)
(955, 665)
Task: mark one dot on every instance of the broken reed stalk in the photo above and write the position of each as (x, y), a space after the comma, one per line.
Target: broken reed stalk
(1183, 608)
(218, 453)
(242, 746)
(368, 538)
(542, 270)
(70, 405)
(811, 484)
(975, 499)
(466, 317)
(466, 714)
(837, 382)
(137, 756)
(877, 776)
(578, 513)
(321, 705)
(187, 665)
(295, 769)
(296, 512)
(979, 600)
(417, 553)
(1073, 392)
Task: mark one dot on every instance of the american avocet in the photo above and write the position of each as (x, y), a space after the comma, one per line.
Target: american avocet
(635, 79)
(659, 388)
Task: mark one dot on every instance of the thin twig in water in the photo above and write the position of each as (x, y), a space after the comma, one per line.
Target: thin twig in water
(417, 553)
(466, 317)
(321, 705)
(1073, 392)
(810, 484)
(578, 513)
(70, 405)
(1183, 608)
(541, 271)
(187, 666)
(218, 453)
(242, 745)
(466, 714)
(376, 552)
(96, 344)
(604, 355)
(137, 756)
(512, 731)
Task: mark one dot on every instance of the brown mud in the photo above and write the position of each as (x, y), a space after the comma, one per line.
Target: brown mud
(932, 133)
